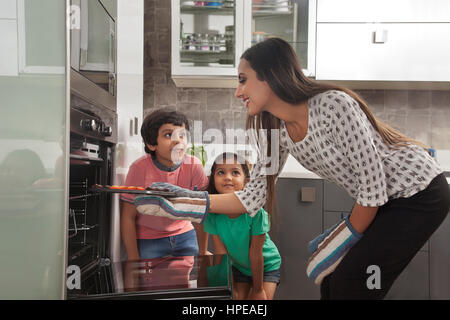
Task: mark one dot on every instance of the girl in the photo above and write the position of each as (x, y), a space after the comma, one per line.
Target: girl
(401, 195)
(255, 258)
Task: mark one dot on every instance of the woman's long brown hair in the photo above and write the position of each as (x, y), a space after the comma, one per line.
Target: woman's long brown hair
(275, 62)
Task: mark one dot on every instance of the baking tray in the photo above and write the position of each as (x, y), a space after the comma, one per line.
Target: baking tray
(147, 191)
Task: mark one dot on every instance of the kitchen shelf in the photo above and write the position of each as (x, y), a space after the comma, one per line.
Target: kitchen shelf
(224, 58)
(207, 10)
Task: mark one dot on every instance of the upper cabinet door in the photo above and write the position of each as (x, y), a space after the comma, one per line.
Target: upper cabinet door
(209, 37)
(8, 9)
(383, 40)
(206, 37)
(383, 52)
(293, 21)
(383, 11)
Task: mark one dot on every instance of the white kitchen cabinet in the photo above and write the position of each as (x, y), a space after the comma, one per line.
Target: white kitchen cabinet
(208, 37)
(383, 11)
(8, 9)
(35, 36)
(368, 40)
(8, 48)
(408, 52)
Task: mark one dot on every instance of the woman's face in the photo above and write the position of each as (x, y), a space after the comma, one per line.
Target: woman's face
(254, 93)
(229, 177)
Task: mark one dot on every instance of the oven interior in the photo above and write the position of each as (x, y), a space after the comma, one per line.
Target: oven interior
(89, 214)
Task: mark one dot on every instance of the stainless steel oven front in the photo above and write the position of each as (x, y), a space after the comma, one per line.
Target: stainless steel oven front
(93, 138)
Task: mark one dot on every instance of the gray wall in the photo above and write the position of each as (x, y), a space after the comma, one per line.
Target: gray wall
(424, 115)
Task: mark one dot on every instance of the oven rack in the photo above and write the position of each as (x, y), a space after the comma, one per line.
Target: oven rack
(83, 227)
(78, 212)
(82, 197)
(84, 247)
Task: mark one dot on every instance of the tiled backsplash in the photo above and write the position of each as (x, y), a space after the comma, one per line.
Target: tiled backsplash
(423, 115)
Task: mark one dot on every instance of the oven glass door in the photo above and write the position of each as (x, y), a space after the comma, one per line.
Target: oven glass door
(89, 216)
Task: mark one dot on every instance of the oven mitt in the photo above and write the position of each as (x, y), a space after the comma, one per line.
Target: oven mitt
(186, 205)
(329, 248)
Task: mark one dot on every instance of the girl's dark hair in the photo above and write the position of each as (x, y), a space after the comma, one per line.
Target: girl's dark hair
(223, 158)
(154, 121)
(276, 62)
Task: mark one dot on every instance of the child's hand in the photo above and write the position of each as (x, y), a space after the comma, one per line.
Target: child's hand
(257, 295)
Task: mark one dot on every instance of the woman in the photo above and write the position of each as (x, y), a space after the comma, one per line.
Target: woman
(401, 196)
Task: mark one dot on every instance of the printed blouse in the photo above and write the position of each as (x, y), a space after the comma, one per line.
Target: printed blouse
(343, 147)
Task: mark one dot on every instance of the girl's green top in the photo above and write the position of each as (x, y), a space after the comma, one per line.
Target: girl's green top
(236, 235)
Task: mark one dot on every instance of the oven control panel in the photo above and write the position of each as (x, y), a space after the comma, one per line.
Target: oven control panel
(88, 124)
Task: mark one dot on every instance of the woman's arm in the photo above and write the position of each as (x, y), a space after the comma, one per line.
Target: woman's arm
(257, 266)
(227, 203)
(361, 217)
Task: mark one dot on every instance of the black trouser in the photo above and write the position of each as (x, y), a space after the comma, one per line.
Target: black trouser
(400, 229)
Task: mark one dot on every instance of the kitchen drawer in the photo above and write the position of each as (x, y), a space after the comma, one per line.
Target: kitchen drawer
(298, 221)
(383, 11)
(440, 261)
(294, 284)
(335, 198)
(330, 218)
(404, 51)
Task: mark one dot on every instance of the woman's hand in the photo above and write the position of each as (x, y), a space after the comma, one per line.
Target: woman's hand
(329, 248)
(185, 205)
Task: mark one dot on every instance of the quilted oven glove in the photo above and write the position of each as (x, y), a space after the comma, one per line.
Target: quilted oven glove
(329, 248)
(186, 205)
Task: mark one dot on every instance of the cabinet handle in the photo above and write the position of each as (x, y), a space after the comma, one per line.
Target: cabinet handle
(308, 194)
(379, 36)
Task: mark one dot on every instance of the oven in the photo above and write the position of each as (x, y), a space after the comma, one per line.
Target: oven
(93, 138)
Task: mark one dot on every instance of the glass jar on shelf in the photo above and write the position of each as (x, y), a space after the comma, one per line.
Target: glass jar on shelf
(210, 45)
(205, 42)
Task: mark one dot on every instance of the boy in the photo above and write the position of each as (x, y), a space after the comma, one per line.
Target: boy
(147, 237)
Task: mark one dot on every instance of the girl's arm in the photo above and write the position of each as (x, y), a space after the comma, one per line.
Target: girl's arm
(202, 239)
(257, 265)
(128, 230)
(219, 247)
